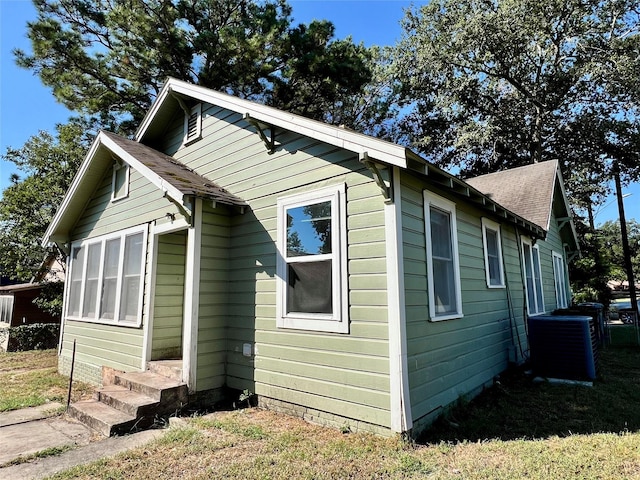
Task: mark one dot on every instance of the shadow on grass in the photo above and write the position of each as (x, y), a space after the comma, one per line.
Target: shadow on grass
(516, 407)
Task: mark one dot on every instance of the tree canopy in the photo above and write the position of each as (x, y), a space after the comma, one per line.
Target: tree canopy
(493, 84)
(48, 164)
(109, 58)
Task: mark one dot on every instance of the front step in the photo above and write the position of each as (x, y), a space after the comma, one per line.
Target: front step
(133, 401)
(101, 417)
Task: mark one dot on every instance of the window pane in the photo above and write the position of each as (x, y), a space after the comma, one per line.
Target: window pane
(75, 286)
(444, 286)
(110, 281)
(92, 279)
(309, 229)
(538, 280)
(528, 270)
(493, 257)
(130, 297)
(120, 182)
(309, 287)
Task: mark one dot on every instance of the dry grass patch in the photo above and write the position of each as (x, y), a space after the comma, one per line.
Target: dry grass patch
(255, 444)
(30, 379)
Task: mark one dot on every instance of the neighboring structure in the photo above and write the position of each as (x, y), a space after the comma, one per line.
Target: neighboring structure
(337, 276)
(16, 301)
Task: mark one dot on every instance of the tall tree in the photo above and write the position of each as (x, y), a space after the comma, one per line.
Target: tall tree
(47, 164)
(109, 58)
(491, 84)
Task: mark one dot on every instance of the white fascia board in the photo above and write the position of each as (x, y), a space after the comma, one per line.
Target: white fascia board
(145, 171)
(560, 182)
(381, 150)
(69, 197)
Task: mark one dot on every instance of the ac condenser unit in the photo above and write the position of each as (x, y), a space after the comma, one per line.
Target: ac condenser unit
(562, 347)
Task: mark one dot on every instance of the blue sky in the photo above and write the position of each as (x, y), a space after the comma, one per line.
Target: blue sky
(26, 106)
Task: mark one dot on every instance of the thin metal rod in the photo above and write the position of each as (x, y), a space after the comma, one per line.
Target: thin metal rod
(73, 361)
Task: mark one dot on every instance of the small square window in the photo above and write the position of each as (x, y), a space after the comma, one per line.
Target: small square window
(312, 261)
(193, 124)
(120, 181)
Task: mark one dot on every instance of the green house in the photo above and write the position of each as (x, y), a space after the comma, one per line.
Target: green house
(338, 277)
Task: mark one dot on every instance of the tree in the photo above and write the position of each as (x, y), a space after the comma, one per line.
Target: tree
(489, 85)
(27, 206)
(109, 58)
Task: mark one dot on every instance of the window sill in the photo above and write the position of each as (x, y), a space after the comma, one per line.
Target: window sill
(497, 286)
(123, 323)
(313, 324)
(453, 316)
(117, 199)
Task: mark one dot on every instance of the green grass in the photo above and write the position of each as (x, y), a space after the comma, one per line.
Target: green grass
(47, 452)
(517, 429)
(30, 379)
(519, 408)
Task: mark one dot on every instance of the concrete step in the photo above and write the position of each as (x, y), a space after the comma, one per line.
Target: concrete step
(167, 368)
(101, 417)
(128, 401)
(170, 393)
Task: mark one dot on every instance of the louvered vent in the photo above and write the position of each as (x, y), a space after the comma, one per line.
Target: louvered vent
(193, 124)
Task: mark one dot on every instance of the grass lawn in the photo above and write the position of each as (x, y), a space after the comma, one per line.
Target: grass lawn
(517, 429)
(29, 379)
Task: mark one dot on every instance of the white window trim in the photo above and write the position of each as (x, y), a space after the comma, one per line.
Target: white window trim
(117, 166)
(540, 308)
(491, 225)
(431, 199)
(103, 239)
(560, 280)
(195, 110)
(338, 320)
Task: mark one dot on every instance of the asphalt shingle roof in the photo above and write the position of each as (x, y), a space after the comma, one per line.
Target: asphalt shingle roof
(174, 172)
(526, 191)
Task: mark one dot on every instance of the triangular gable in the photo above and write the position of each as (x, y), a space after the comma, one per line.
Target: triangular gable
(174, 179)
(531, 191)
(174, 93)
(155, 121)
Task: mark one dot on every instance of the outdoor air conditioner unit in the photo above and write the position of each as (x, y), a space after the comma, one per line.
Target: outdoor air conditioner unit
(562, 347)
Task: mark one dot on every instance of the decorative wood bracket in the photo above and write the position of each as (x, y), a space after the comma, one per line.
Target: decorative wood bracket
(183, 106)
(562, 222)
(387, 191)
(269, 142)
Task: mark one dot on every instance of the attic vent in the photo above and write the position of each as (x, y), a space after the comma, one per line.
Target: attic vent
(193, 124)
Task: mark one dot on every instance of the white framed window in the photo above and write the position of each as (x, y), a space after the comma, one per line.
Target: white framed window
(533, 277)
(106, 279)
(560, 280)
(443, 265)
(193, 124)
(492, 243)
(120, 181)
(312, 261)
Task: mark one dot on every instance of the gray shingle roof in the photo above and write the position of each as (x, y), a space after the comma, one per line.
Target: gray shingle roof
(527, 191)
(175, 173)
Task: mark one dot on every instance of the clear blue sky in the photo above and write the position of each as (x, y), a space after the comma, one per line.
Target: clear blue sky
(26, 106)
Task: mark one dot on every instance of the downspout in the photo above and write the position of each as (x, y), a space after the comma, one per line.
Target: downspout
(401, 419)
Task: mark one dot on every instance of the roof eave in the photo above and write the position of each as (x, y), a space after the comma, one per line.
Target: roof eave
(379, 150)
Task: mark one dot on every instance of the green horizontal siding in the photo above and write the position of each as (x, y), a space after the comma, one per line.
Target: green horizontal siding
(214, 296)
(452, 358)
(290, 365)
(169, 296)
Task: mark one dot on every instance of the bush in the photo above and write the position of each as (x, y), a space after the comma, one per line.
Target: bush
(38, 336)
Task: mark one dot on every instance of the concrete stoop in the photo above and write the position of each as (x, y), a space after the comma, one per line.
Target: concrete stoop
(134, 401)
